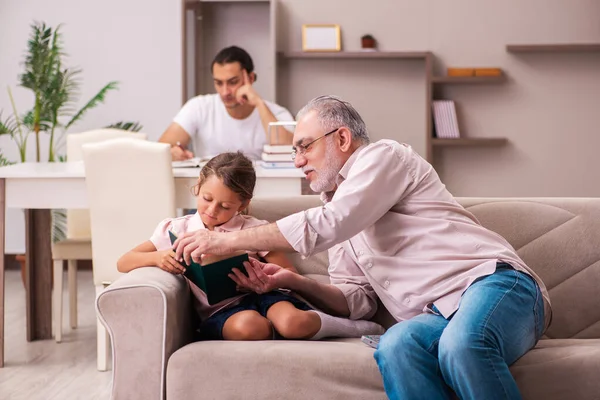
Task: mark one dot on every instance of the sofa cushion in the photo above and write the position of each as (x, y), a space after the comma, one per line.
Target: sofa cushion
(558, 238)
(345, 369)
(560, 369)
(336, 369)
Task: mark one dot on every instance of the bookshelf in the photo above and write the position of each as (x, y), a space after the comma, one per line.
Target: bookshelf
(469, 142)
(434, 94)
(554, 48)
(356, 55)
(468, 79)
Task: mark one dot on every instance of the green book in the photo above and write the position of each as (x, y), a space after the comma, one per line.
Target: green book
(212, 277)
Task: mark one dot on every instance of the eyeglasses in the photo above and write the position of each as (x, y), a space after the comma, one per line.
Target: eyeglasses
(303, 148)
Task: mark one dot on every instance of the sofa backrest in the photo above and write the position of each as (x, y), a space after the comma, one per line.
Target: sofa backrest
(559, 238)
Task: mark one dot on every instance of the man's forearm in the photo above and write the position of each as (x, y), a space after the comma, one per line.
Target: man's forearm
(262, 238)
(326, 297)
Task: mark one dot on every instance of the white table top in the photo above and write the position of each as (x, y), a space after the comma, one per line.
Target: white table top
(75, 169)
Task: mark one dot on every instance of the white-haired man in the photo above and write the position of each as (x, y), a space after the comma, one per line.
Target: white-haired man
(467, 305)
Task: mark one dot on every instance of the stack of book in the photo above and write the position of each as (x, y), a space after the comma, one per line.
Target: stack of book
(277, 156)
(445, 120)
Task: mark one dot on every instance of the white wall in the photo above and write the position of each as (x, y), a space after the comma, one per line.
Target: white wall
(136, 42)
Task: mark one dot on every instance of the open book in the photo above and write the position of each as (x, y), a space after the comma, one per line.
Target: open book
(195, 162)
(211, 277)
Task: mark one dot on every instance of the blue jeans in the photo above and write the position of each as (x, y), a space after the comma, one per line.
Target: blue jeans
(500, 317)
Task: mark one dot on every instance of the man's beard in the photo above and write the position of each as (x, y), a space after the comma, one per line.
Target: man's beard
(326, 176)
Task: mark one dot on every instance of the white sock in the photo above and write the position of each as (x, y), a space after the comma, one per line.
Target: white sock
(346, 328)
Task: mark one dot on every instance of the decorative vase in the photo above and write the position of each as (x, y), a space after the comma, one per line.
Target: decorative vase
(368, 43)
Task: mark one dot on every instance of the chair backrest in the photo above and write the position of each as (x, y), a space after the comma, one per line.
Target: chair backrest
(78, 221)
(130, 189)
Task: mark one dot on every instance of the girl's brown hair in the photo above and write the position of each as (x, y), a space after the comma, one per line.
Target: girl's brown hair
(235, 170)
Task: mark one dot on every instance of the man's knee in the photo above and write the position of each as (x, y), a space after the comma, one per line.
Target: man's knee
(400, 341)
(458, 346)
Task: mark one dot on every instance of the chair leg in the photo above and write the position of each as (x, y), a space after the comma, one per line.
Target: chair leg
(57, 294)
(103, 340)
(72, 278)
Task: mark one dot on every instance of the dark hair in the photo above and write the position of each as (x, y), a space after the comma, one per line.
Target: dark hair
(234, 54)
(235, 170)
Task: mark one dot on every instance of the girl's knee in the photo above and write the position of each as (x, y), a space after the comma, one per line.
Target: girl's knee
(245, 326)
(297, 324)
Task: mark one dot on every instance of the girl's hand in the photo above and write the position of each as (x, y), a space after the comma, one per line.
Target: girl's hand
(262, 277)
(165, 260)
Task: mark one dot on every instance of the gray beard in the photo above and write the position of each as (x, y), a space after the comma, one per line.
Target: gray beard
(326, 177)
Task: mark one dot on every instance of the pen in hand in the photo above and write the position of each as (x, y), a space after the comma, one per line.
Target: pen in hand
(184, 154)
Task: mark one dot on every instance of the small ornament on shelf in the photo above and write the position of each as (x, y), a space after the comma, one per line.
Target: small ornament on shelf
(368, 43)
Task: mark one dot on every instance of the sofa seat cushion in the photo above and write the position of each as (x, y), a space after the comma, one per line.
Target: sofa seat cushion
(560, 369)
(345, 369)
(331, 369)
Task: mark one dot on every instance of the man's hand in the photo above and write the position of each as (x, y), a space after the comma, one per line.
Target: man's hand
(262, 277)
(193, 245)
(246, 93)
(178, 153)
(165, 260)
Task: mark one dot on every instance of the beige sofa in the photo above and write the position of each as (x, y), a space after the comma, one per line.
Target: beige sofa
(150, 320)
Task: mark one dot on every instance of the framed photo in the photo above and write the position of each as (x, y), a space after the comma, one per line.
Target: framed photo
(321, 37)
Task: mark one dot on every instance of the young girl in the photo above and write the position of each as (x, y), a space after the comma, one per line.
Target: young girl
(224, 191)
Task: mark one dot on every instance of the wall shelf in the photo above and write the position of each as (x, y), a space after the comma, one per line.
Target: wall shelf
(554, 48)
(474, 142)
(369, 55)
(468, 79)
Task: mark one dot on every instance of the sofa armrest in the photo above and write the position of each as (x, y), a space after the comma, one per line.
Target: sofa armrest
(148, 314)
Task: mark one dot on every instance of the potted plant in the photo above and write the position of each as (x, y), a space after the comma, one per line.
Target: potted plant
(55, 90)
(368, 42)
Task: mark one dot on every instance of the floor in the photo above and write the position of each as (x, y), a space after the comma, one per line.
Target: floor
(46, 369)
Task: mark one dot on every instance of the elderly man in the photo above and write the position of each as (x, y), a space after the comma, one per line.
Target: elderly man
(467, 305)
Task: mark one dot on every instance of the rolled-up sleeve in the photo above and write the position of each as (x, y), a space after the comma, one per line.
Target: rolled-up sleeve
(298, 232)
(378, 178)
(348, 277)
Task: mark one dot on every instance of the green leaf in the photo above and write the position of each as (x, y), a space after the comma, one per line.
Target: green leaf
(8, 125)
(133, 126)
(93, 102)
(4, 161)
(59, 224)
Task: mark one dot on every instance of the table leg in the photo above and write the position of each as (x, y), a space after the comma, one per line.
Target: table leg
(38, 276)
(2, 220)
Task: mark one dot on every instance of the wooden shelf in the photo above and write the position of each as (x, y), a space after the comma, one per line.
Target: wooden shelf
(468, 79)
(369, 55)
(227, 1)
(473, 142)
(554, 48)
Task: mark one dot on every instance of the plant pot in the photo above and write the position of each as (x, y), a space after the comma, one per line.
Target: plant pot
(368, 43)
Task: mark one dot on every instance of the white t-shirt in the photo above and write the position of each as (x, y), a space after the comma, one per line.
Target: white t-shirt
(214, 131)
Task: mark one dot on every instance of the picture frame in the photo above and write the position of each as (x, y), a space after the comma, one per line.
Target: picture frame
(321, 37)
